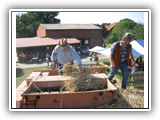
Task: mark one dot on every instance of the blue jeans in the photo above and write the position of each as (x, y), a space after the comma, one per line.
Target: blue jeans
(47, 63)
(24, 59)
(133, 70)
(60, 66)
(124, 70)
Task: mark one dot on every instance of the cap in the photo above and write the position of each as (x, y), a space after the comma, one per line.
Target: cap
(128, 36)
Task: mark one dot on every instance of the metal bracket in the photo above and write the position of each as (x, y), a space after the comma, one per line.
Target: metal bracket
(55, 101)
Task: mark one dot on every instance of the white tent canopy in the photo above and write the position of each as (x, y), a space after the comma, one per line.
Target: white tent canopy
(96, 49)
(106, 51)
(137, 48)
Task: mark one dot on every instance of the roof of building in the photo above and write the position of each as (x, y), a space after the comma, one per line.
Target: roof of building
(69, 26)
(41, 41)
(109, 27)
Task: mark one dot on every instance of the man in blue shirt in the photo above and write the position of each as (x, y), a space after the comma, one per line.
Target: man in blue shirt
(65, 54)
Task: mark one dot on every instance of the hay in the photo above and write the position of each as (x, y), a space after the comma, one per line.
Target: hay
(35, 89)
(127, 98)
(80, 80)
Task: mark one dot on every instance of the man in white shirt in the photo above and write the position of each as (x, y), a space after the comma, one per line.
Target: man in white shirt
(65, 54)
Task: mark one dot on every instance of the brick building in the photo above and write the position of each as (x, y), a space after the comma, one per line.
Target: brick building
(89, 35)
(79, 37)
(41, 44)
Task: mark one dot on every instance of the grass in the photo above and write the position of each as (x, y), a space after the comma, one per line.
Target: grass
(22, 74)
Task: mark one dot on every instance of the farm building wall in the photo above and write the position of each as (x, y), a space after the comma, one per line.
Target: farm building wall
(94, 36)
(41, 31)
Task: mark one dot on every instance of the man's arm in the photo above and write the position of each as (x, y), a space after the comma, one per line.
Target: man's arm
(76, 57)
(111, 61)
(54, 55)
(131, 56)
(132, 59)
(113, 49)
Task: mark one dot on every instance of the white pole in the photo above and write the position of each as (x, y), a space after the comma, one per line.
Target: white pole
(101, 57)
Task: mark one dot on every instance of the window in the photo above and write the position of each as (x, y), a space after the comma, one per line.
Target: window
(94, 36)
(86, 42)
(55, 35)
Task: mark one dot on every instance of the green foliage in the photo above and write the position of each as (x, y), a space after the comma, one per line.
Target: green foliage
(106, 23)
(126, 25)
(27, 24)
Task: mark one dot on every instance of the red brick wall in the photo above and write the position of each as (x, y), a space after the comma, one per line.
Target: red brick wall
(88, 34)
(41, 31)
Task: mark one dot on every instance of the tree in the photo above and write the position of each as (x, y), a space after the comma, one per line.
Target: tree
(27, 24)
(126, 25)
(138, 31)
(106, 23)
(45, 17)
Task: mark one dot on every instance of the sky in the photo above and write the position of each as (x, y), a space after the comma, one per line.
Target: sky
(98, 17)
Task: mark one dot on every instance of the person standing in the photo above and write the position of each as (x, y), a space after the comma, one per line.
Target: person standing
(90, 54)
(65, 54)
(119, 58)
(95, 57)
(47, 60)
(23, 57)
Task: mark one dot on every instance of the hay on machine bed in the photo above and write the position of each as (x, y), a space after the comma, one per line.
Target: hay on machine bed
(80, 80)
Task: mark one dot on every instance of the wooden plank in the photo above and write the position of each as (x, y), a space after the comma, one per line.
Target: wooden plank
(136, 81)
(89, 63)
(51, 72)
(34, 75)
(63, 78)
(139, 75)
(131, 75)
(98, 70)
(107, 66)
(45, 73)
(104, 64)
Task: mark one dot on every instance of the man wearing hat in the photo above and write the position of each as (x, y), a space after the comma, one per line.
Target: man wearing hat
(65, 54)
(119, 58)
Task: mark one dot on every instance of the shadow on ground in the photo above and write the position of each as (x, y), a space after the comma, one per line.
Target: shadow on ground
(19, 72)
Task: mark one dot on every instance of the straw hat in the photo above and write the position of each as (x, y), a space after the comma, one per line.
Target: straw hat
(63, 43)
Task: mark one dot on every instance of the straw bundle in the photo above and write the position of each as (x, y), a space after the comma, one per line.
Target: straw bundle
(80, 80)
(127, 98)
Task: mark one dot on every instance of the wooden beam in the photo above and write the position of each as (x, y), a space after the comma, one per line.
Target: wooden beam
(136, 81)
(131, 75)
(106, 66)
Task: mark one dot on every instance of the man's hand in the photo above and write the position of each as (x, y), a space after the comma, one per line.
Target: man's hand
(79, 67)
(112, 66)
(132, 58)
(133, 65)
(111, 59)
(53, 63)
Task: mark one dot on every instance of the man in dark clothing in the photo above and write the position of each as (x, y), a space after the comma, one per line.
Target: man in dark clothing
(119, 58)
